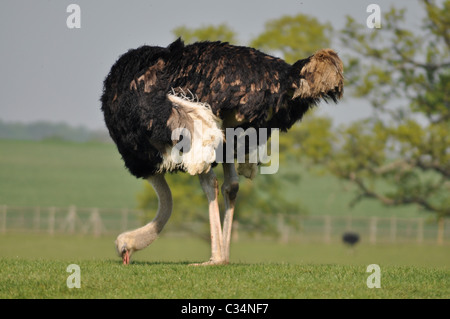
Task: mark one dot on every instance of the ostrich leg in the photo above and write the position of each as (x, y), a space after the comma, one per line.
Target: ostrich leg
(210, 186)
(230, 188)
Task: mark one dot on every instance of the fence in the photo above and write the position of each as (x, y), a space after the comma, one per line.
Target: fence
(70, 220)
(97, 222)
(370, 229)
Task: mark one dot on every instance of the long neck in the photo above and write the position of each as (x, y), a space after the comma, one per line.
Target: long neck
(145, 235)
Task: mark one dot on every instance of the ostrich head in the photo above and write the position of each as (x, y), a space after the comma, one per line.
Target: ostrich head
(129, 242)
(124, 248)
(318, 76)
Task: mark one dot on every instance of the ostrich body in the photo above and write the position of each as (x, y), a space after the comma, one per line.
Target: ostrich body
(350, 238)
(145, 101)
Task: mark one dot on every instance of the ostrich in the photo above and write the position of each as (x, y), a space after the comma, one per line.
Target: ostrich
(204, 88)
(350, 238)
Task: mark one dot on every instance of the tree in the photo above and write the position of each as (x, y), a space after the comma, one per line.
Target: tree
(402, 155)
(294, 37)
(221, 32)
(259, 204)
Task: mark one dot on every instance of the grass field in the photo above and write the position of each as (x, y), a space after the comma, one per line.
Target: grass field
(56, 173)
(34, 266)
(108, 279)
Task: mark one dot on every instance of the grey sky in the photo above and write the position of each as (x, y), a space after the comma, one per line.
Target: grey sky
(51, 72)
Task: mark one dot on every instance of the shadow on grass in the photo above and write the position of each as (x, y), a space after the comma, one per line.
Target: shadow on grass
(152, 263)
(188, 263)
(197, 264)
(159, 263)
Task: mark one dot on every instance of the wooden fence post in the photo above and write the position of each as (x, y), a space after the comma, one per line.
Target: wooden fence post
(70, 220)
(51, 220)
(3, 218)
(235, 231)
(283, 229)
(96, 221)
(393, 231)
(440, 234)
(124, 223)
(420, 230)
(373, 230)
(37, 219)
(327, 229)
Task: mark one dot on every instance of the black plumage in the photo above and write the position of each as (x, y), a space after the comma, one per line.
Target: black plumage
(350, 238)
(243, 86)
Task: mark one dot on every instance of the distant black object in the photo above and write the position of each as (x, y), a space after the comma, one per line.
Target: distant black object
(350, 238)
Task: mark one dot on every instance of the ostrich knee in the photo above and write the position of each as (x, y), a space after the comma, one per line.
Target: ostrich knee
(230, 187)
(230, 190)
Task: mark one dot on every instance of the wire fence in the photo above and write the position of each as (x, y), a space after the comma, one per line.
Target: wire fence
(98, 222)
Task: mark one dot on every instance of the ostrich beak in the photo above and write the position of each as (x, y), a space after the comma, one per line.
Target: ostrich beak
(126, 257)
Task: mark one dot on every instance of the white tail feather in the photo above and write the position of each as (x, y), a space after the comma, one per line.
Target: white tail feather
(205, 136)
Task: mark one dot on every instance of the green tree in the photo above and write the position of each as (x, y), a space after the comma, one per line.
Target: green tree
(261, 203)
(221, 32)
(401, 155)
(295, 37)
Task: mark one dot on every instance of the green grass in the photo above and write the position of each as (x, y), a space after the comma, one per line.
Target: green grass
(108, 279)
(55, 173)
(34, 266)
(182, 249)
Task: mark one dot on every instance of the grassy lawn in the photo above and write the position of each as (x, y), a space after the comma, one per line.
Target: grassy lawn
(108, 279)
(35, 267)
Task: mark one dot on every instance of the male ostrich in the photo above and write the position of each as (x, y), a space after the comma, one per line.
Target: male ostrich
(229, 87)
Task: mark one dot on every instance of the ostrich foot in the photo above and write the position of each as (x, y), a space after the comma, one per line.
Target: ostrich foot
(210, 262)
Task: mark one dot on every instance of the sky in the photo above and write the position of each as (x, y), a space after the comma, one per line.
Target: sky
(53, 73)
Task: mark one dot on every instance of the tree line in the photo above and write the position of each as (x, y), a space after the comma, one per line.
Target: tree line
(45, 130)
